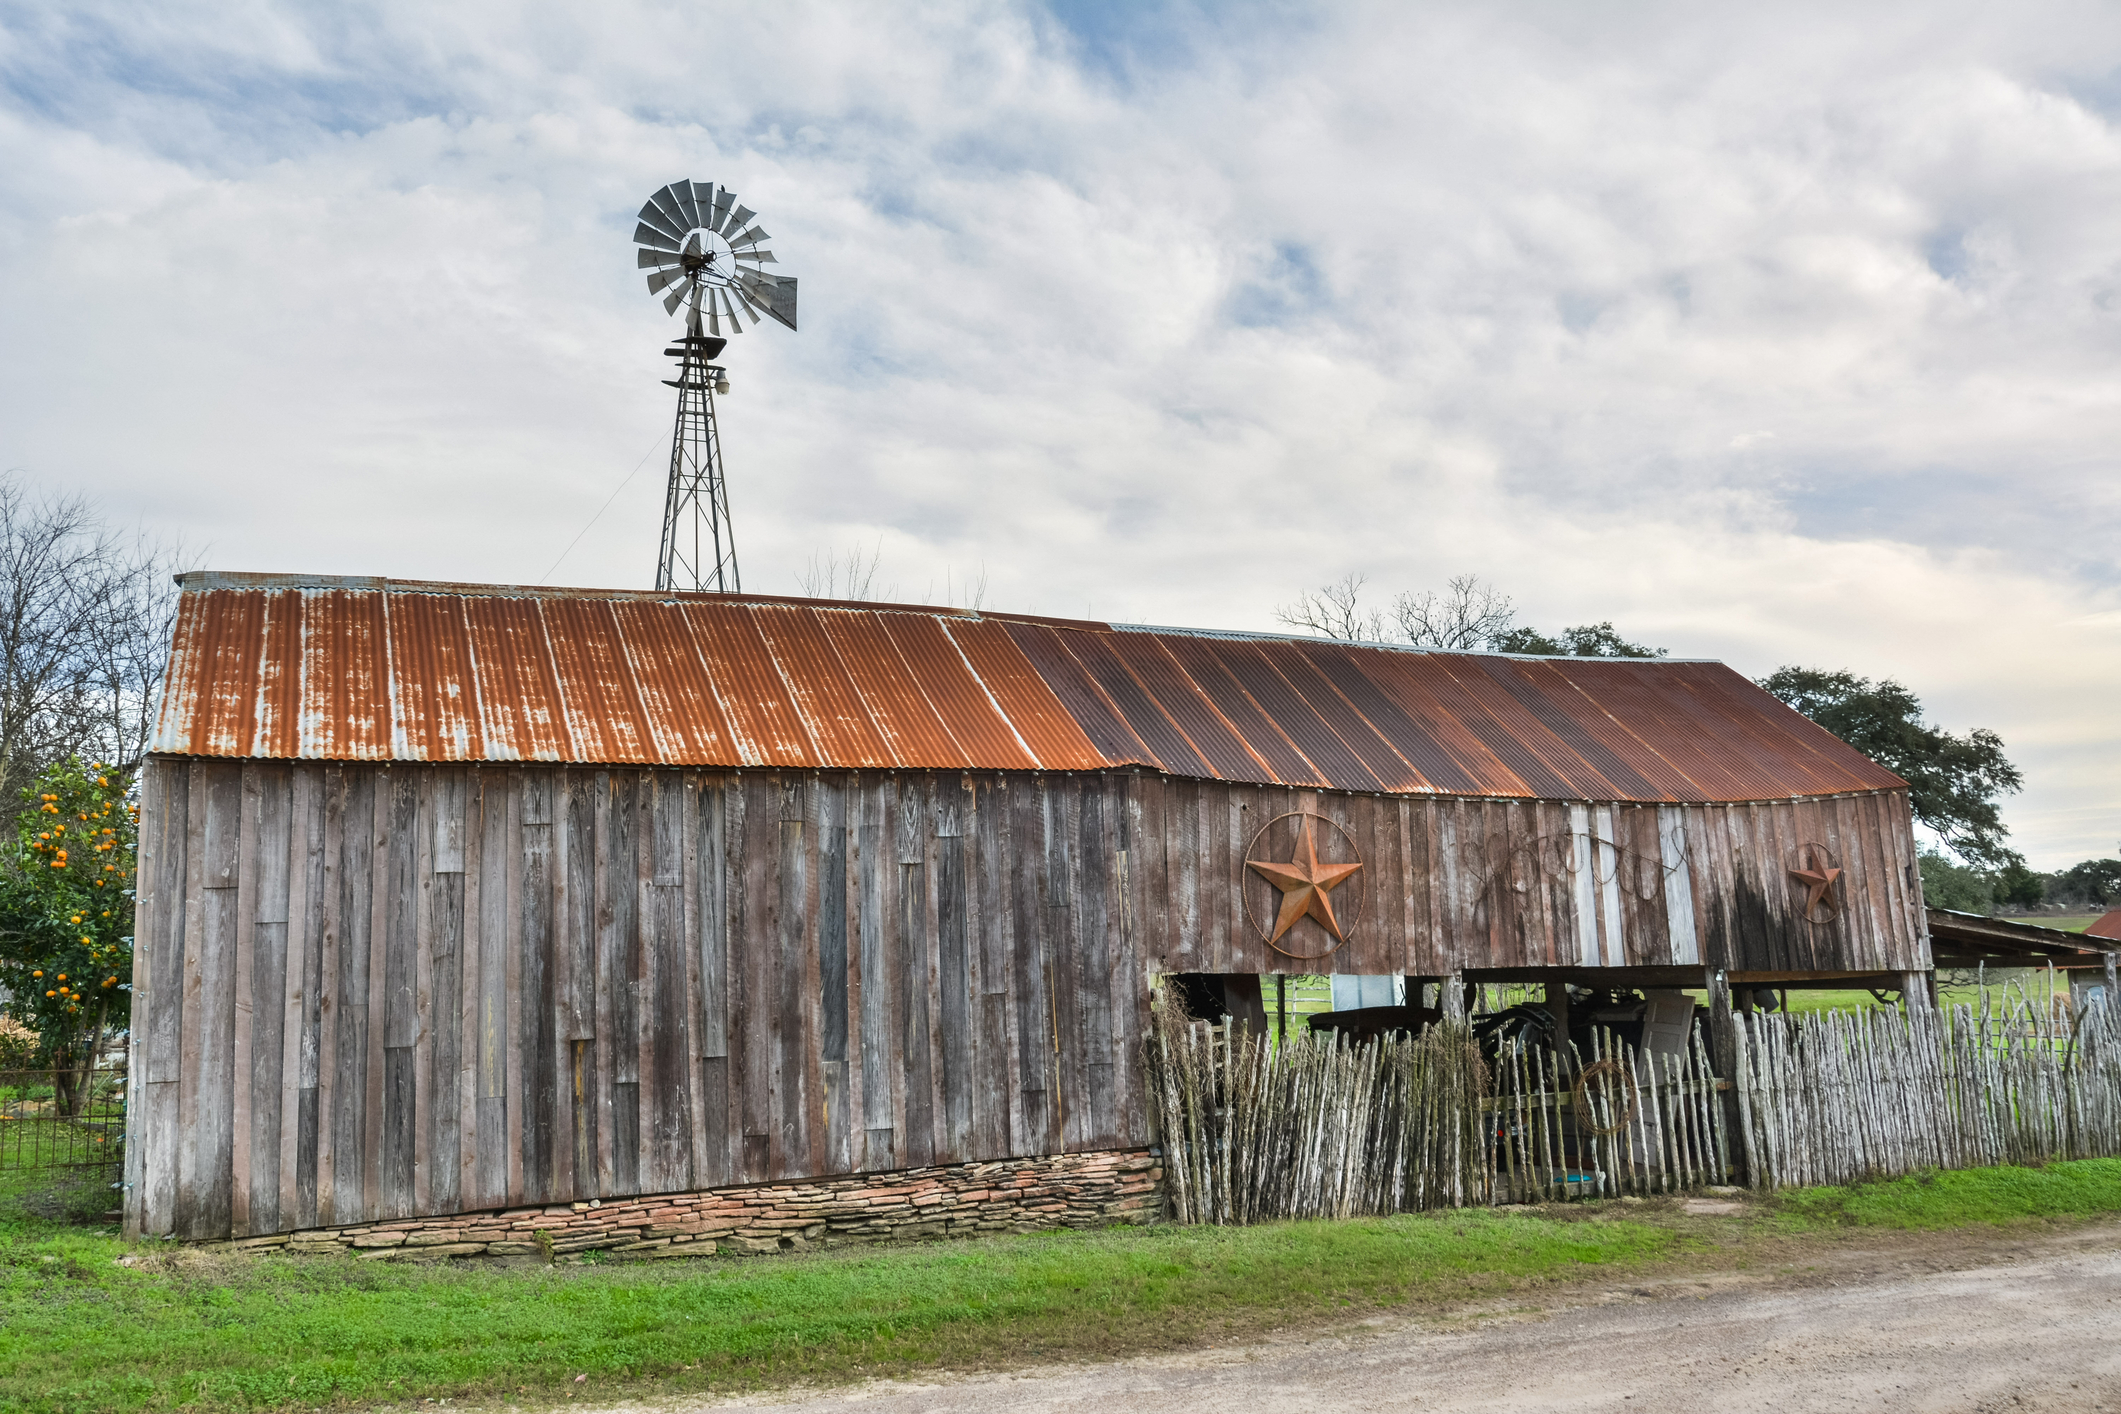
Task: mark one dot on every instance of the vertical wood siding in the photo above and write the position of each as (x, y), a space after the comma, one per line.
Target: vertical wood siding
(378, 991)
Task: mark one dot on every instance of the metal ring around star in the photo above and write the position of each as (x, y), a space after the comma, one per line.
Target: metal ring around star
(1246, 880)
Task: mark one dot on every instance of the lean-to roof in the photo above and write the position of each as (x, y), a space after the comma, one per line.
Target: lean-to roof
(312, 668)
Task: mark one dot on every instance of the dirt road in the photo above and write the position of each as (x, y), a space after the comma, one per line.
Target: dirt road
(2039, 1330)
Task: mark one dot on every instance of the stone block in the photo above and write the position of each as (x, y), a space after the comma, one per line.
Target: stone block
(380, 1239)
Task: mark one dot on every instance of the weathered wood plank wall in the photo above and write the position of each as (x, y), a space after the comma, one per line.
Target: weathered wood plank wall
(377, 991)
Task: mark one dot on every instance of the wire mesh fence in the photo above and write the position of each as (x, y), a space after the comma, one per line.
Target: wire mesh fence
(61, 1119)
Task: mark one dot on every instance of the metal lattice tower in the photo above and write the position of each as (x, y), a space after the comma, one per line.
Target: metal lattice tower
(699, 545)
(702, 253)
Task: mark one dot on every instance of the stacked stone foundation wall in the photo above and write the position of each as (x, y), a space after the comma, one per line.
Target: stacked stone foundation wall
(962, 1200)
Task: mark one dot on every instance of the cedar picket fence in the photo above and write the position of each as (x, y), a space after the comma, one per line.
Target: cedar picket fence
(1254, 1132)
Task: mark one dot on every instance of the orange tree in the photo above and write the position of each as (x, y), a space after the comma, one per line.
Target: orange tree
(66, 916)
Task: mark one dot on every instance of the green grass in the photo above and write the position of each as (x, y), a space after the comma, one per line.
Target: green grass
(185, 1329)
(1959, 1198)
(238, 1331)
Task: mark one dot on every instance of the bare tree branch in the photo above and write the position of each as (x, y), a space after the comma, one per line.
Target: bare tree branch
(849, 574)
(1467, 615)
(84, 635)
(1335, 611)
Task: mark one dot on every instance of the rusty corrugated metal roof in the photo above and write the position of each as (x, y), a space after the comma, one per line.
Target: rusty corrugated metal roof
(370, 670)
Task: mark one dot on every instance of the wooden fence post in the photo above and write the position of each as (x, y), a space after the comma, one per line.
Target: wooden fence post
(1452, 997)
(1723, 1053)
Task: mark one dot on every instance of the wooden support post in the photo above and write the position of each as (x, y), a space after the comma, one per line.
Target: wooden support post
(1557, 1000)
(1916, 990)
(1281, 1007)
(1723, 1054)
(1452, 997)
(2113, 983)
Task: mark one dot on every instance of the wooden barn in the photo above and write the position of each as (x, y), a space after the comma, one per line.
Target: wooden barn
(459, 898)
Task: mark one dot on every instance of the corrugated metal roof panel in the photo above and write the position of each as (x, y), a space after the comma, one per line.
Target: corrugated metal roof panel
(1211, 674)
(369, 670)
(1181, 699)
(960, 698)
(832, 707)
(914, 732)
(1022, 699)
(1045, 648)
(1167, 744)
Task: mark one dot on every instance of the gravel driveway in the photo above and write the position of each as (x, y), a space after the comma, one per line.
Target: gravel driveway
(2039, 1330)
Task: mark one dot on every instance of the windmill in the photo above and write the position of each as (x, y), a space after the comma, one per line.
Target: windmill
(702, 253)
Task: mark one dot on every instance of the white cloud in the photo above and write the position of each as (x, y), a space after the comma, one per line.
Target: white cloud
(1779, 336)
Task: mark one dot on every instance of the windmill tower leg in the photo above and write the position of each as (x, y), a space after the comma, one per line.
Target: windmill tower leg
(699, 546)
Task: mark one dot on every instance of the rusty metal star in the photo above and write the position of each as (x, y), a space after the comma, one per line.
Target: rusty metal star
(1818, 884)
(1304, 884)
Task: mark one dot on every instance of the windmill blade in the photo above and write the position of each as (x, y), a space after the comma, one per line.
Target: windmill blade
(645, 234)
(692, 244)
(666, 200)
(663, 279)
(736, 325)
(672, 300)
(649, 259)
(683, 192)
(749, 238)
(763, 257)
(722, 199)
(714, 325)
(743, 214)
(782, 306)
(743, 299)
(652, 215)
(703, 202)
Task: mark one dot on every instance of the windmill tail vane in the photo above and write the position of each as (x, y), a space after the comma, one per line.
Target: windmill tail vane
(703, 253)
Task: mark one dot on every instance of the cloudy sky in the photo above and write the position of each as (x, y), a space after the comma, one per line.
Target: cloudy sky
(1786, 335)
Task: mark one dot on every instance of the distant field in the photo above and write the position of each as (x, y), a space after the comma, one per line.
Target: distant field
(2067, 925)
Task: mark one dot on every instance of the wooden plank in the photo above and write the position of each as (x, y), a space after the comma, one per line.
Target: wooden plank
(443, 1100)
(1032, 1125)
(243, 1019)
(666, 1041)
(795, 1091)
(954, 1014)
(699, 1159)
(263, 1072)
(874, 867)
(712, 822)
(1089, 995)
(619, 968)
(751, 1006)
(516, 1081)
(423, 990)
(366, 837)
(543, 1063)
(1063, 917)
(205, 1150)
(331, 1000)
(398, 884)
(574, 1153)
(159, 963)
(917, 964)
(832, 969)
(487, 1159)
(993, 1080)
(298, 1036)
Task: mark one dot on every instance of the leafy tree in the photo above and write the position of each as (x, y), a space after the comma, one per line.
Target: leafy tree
(1584, 641)
(1954, 780)
(1949, 885)
(66, 916)
(2095, 881)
